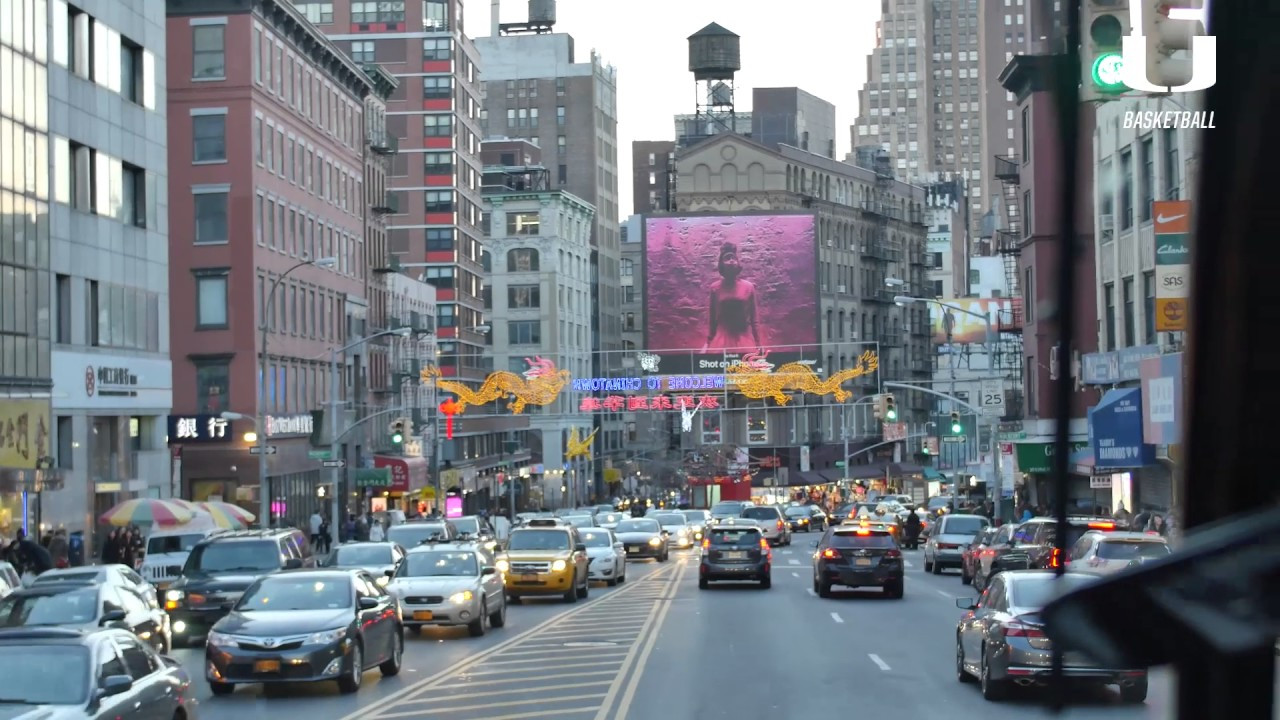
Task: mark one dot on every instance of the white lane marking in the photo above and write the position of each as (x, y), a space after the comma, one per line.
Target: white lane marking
(879, 663)
(795, 575)
(908, 563)
(836, 616)
(793, 561)
(943, 593)
(811, 592)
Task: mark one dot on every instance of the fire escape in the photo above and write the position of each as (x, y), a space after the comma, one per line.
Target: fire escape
(1006, 357)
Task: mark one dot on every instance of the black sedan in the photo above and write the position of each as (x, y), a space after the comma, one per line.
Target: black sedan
(85, 607)
(643, 538)
(735, 553)
(307, 626)
(56, 673)
(857, 557)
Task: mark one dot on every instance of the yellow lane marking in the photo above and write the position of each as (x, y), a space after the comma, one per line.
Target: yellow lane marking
(632, 661)
(558, 648)
(544, 713)
(510, 703)
(488, 693)
(599, 658)
(559, 666)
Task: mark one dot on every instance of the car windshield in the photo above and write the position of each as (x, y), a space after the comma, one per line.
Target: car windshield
(539, 540)
(1130, 549)
(74, 607)
(1036, 590)
(282, 593)
(467, 525)
(856, 540)
(798, 511)
(694, 516)
(580, 520)
(984, 537)
(962, 526)
(362, 556)
(670, 519)
(735, 536)
(595, 538)
(760, 513)
(731, 508)
(416, 533)
(44, 674)
(639, 526)
(173, 543)
(215, 557)
(439, 563)
(79, 577)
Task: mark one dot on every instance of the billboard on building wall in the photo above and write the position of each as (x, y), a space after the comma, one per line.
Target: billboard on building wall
(950, 325)
(725, 286)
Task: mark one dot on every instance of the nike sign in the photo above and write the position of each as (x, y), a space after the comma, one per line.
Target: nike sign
(1162, 219)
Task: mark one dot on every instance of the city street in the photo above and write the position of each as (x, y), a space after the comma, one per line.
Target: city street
(657, 648)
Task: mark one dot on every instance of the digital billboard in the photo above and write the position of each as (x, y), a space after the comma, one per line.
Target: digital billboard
(718, 287)
(965, 328)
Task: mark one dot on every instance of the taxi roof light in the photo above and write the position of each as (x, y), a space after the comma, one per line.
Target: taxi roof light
(1102, 526)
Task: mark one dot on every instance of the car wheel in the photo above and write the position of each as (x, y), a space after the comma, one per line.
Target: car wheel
(992, 689)
(571, 595)
(928, 565)
(391, 667)
(514, 599)
(611, 582)
(962, 675)
(766, 582)
(499, 618)
(351, 682)
(221, 689)
(1135, 694)
(936, 568)
(622, 573)
(824, 589)
(703, 584)
(585, 589)
(476, 627)
(815, 586)
(894, 590)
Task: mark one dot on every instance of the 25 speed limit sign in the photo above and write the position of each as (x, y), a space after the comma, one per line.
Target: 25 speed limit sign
(992, 398)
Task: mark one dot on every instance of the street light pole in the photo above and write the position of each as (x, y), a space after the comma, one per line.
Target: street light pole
(264, 494)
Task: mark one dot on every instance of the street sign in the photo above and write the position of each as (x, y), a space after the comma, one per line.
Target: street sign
(260, 450)
(993, 398)
(895, 431)
(954, 438)
(334, 463)
(318, 454)
(839, 463)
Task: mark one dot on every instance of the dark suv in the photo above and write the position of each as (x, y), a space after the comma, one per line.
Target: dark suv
(1031, 545)
(735, 552)
(219, 570)
(858, 557)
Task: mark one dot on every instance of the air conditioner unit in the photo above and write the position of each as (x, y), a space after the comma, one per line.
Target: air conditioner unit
(841, 289)
(1107, 221)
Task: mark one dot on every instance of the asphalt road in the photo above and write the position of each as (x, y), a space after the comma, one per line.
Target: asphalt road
(657, 648)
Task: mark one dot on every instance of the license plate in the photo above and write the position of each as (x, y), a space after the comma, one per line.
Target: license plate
(422, 615)
(633, 548)
(267, 666)
(735, 556)
(528, 577)
(862, 562)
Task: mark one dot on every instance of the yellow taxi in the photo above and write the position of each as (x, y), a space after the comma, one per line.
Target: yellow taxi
(545, 557)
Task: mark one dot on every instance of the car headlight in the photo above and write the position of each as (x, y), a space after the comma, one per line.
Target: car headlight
(459, 598)
(682, 533)
(558, 565)
(173, 596)
(326, 637)
(218, 639)
(655, 541)
(502, 565)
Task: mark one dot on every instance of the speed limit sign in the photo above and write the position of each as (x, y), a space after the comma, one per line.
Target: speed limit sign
(992, 398)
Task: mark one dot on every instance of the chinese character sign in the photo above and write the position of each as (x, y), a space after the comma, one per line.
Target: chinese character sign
(659, 403)
(24, 433)
(200, 429)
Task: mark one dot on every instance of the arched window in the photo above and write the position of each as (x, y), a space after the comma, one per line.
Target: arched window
(522, 260)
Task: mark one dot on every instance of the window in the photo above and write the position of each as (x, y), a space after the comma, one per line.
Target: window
(438, 163)
(1029, 296)
(1148, 308)
(437, 87)
(1106, 201)
(711, 430)
(140, 661)
(211, 299)
(439, 201)
(437, 125)
(628, 293)
(562, 174)
(524, 297)
(1148, 179)
(1026, 214)
(211, 217)
(1026, 135)
(562, 146)
(522, 223)
(560, 86)
(133, 195)
(131, 77)
(362, 52)
(1172, 172)
(213, 386)
(1109, 319)
(627, 268)
(439, 239)
(209, 135)
(435, 14)
(63, 308)
(757, 424)
(524, 332)
(522, 260)
(317, 13)
(1126, 190)
(1130, 334)
(208, 53)
(436, 49)
(560, 115)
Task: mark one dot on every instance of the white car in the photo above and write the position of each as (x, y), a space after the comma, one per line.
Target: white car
(679, 533)
(606, 556)
(450, 584)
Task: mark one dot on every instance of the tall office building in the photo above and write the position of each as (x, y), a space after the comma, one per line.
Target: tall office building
(110, 256)
(25, 282)
(536, 89)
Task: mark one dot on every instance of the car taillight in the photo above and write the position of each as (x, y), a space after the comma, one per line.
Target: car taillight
(1055, 558)
(764, 544)
(1102, 526)
(706, 543)
(830, 553)
(1017, 629)
(893, 554)
(779, 524)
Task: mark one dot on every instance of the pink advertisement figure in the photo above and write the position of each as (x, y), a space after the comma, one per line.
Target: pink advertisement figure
(732, 309)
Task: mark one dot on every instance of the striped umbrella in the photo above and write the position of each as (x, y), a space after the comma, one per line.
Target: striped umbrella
(185, 504)
(227, 515)
(146, 511)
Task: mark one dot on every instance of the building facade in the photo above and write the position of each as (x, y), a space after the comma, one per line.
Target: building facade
(653, 177)
(26, 382)
(109, 234)
(947, 214)
(691, 128)
(791, 116)
(540, 298)
(266, 175)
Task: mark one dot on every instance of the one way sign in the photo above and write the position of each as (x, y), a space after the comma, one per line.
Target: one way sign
(334, 463)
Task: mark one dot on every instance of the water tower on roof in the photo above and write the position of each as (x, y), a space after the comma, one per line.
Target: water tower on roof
(715, 56)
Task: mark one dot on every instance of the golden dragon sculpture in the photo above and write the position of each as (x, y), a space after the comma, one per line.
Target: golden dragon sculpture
(540, 385)
(757, 383)
(579, 446)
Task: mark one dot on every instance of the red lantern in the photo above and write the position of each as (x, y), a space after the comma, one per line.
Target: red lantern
(449, 408)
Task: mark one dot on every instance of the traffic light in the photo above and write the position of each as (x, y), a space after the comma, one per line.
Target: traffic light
(1103, 24)
(890, 408)
(878, 404)
(956, 427)
(1153, 67)
(398, 428)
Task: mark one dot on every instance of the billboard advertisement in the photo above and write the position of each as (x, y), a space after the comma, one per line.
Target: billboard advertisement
(964, 329)
(1173, 263)
(718, 287)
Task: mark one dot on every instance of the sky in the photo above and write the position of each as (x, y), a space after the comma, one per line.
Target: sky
(820, 46)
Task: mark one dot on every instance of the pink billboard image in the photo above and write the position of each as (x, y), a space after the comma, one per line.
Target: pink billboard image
(718, 285)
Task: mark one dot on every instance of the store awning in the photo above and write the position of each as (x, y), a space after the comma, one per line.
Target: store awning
(805, 478)
(865, 472)
(407, 473)
(932, 474)
(1081, 462)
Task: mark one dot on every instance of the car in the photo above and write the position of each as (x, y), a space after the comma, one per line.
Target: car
(972, 553)
(1000, 640)
(735, 552)
(168, 549)
(801, 518)
(643, 538)
(580, 521)
(380, 559)
(697, 521)
(606, 556)
(9, 576)
(411, 534)
(61, 672)
(477, 528)
(303, 626)
(121, 575)
(728, 509)
(772, 524)
(449, 585)
(1104, 553)
(219, 570)
(953, 533)
(545, 557)
(609, 520)
(676, 529)
(86, 606)
(1036, 539)
(858, 557)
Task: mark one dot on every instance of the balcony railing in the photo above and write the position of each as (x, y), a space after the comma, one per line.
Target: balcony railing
(1009, 320)
(1006, 168)
(878, 295)
(384, 143)
(388, 205)
(1008, 241)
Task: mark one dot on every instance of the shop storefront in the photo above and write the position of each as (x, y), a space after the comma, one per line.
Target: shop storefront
(1035, 462)
(26, 456)
(1119, 454)
(406, 475)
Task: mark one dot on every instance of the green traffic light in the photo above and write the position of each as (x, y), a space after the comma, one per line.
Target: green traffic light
(956, 428)
(397, 438)
(1108, 72)
(891, 414)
